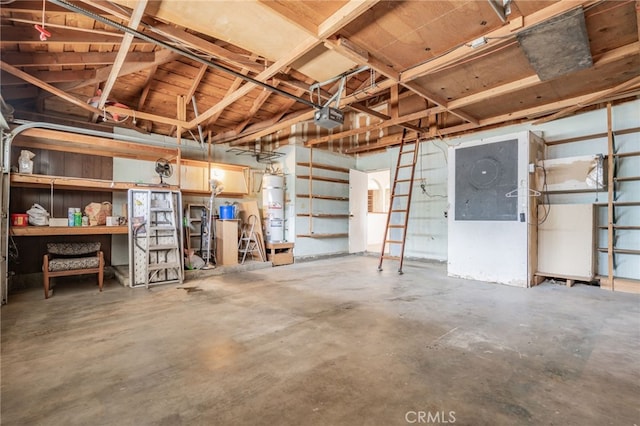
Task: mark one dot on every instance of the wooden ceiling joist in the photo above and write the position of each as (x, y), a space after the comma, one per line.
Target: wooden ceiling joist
(69, 59)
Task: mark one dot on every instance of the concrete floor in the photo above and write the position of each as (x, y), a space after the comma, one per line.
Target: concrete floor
(328, 342)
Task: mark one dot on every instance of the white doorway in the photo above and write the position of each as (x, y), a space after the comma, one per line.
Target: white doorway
(357, 211)
(378, 196)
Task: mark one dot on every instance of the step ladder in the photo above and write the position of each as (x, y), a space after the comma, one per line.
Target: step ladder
(395, 232)
(248, 242)
(155, 237)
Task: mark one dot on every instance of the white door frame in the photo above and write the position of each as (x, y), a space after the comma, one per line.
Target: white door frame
(358, 198)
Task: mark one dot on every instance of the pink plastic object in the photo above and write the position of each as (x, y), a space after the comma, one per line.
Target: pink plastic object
(44, 34)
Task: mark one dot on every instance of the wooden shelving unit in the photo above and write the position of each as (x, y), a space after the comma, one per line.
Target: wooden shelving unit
(313, 215)
(612, 210)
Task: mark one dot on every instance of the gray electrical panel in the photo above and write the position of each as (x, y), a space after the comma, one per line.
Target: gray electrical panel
(484, 174)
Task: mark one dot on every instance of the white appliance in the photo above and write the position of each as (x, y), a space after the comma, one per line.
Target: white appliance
(273, 207)
(492, 214)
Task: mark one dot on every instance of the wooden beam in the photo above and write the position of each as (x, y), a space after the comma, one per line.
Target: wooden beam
(45, 59)
(196, 82)
(530, 112)
(360, 56)
(290, 120)
(601, 94)
(610, 190)
(147, 87)
(95, 145)
(49, 88)
(25, 35)
(383, 142)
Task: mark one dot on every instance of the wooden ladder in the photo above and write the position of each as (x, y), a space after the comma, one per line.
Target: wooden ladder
(400, 198)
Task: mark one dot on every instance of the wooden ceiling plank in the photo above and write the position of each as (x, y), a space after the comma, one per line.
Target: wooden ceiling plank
(523, 83)
(160, 57)
(45, 59)
(535, 18)
(50, 77)
(290, 15)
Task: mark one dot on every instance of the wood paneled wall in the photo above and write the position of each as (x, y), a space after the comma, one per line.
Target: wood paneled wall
(56, 163)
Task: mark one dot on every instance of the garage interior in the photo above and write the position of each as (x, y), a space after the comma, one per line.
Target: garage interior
(320, 212)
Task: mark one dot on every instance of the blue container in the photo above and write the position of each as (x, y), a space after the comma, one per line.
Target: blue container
(227, 212)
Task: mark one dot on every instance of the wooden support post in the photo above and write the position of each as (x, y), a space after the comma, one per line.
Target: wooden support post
(310, 190)
(610, 189)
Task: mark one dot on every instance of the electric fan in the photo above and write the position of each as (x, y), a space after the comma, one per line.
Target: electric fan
(164, 169)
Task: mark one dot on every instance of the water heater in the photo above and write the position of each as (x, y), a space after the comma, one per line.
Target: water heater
(273, 207)
(492, 228)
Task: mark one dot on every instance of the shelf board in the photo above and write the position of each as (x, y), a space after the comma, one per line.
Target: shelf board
(620, 204)
(322, 235)
(324, 215)
(207, 193)
(626, 178)
(34, 231)
(323, 167)
(323, 197)
(60, 182)
(627, 154)
(619, 251)
(322, 178)
(620, 227)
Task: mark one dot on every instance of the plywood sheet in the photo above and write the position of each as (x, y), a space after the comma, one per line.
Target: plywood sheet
(565, 241)
(249, 24)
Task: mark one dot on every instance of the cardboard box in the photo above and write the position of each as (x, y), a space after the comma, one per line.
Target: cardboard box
(280, 253)
(57, 221)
